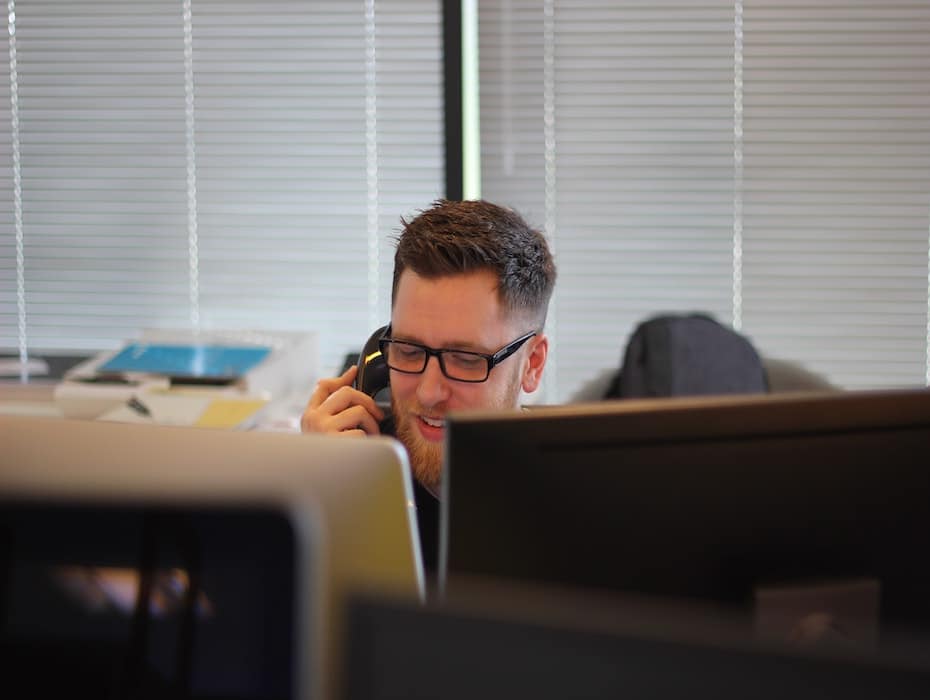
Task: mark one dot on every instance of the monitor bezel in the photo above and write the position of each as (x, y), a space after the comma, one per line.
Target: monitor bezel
(350, 502)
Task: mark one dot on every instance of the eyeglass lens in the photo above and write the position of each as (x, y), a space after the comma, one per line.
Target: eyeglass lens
(456, 364)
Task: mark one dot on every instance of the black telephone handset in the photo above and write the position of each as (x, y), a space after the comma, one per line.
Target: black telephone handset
(374, 377)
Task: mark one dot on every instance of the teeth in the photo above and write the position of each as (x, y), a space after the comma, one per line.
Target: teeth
(434, 422)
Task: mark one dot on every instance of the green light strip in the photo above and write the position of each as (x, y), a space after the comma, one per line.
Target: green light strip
(471, 127)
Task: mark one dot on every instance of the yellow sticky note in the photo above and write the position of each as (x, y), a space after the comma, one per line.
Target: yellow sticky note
(228, 413)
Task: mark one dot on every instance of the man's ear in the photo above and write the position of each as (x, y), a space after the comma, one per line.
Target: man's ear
(535, 362)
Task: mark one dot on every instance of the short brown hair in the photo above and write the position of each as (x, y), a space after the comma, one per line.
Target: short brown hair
(458, 237)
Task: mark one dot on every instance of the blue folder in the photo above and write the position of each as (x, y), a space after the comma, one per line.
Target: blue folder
(207, 362)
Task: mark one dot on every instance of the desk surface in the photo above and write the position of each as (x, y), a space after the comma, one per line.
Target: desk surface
(36, 398)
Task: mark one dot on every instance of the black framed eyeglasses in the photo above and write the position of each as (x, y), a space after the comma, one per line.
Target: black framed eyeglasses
(460, 365)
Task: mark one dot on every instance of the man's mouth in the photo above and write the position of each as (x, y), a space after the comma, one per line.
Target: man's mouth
(433, 422)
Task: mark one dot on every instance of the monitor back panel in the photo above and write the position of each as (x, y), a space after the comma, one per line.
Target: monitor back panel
(718, 500)
(280, 526)
(498, 648)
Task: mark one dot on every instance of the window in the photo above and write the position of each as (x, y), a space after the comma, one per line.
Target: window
(213, 163)
(765, 161)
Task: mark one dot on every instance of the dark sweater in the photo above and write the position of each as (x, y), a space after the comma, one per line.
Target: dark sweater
(428, 524)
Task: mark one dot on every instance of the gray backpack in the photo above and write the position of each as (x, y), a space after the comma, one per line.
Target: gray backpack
(687, 355)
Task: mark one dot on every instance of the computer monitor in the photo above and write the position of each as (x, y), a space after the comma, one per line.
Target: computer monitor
(145, 559)
(809, 512)
(491, 640)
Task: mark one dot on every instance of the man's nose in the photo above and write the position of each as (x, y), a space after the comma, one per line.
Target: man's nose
(434, 385)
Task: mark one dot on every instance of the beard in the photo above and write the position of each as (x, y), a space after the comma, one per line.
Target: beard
(426, 457)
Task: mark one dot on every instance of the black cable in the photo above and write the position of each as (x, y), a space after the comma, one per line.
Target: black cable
(192, 560)
(130, 678)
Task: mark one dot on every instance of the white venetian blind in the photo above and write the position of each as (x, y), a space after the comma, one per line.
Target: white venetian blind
(837, 186)
(639, 207)
(763, 161)
(101, 105)
(220, 163)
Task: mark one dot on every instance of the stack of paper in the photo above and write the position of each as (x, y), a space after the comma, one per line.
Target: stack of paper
(242, 365)
(189, 407)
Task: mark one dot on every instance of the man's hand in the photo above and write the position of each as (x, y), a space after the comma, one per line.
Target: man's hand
(338, 408)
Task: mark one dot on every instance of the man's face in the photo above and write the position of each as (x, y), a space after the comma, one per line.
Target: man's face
(461, 312)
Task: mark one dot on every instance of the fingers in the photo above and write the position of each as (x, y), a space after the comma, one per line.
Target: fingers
(326, 387)
(357, 432)
(327, 420)
(344, 398)
(335, 407)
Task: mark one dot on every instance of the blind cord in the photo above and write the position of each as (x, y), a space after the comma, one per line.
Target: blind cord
(18, 200)
(371, 163)
(738, 166)
(193, 247)
(552, 377)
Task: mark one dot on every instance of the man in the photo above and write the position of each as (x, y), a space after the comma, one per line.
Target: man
(471, 288)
